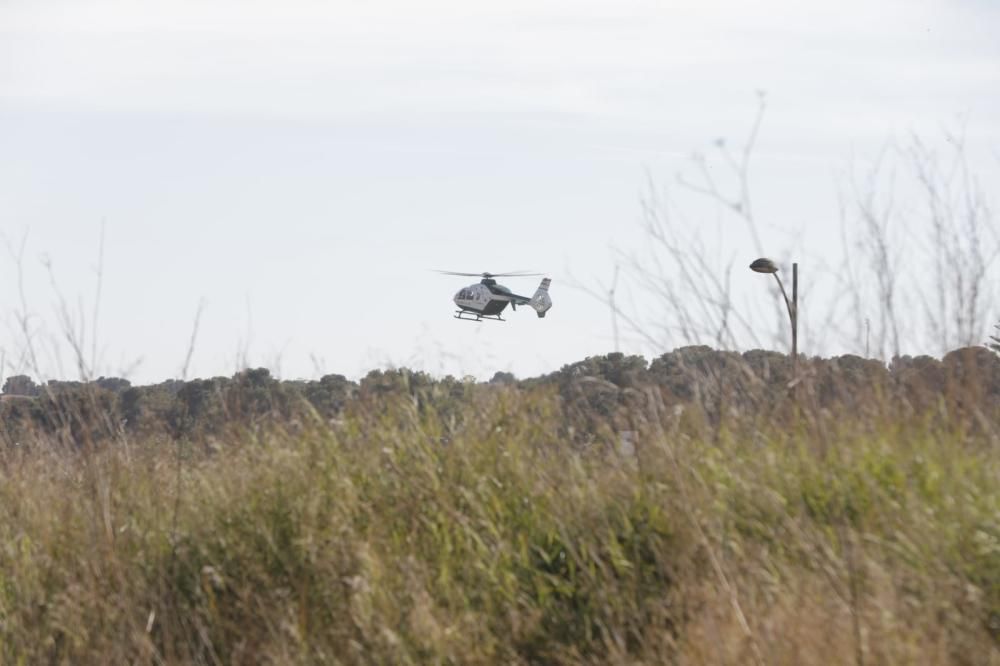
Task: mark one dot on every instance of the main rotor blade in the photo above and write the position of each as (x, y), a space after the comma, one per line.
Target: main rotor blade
(491, 275)
(465, 274)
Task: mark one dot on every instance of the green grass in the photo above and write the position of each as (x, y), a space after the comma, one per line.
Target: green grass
(399, 536)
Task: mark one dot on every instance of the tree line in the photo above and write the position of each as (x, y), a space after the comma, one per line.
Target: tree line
(599, 396)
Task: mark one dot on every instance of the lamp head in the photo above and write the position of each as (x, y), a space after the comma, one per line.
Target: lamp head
(764, 265)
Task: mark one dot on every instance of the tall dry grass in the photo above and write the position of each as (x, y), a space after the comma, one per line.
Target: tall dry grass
(399, 535)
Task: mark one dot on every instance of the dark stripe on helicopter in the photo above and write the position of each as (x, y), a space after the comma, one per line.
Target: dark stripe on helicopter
(494, 307)
(500, 290)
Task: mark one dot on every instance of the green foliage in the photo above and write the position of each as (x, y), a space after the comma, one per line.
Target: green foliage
(406, 519)
(20, 385)
(599, 394)
(407, 536)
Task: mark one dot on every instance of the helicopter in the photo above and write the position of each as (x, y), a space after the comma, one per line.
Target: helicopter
(487, 299)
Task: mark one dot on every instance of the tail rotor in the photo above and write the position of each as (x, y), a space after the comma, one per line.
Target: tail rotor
(541, 301)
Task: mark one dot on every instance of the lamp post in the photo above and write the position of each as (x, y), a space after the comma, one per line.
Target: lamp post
(764, 265)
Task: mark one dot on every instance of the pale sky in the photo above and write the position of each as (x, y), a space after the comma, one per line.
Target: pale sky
(299, 166)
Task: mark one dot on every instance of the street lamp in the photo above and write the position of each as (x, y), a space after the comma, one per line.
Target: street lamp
(764, 265)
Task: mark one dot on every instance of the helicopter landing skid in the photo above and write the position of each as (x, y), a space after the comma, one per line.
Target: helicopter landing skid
(465, 315)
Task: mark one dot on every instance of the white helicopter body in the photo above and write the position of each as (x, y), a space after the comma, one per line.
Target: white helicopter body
(487, 299)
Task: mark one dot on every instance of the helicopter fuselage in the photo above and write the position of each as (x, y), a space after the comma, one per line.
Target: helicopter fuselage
(487, 299)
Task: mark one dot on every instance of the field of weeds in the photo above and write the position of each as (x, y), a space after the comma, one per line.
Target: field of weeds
(418, 527)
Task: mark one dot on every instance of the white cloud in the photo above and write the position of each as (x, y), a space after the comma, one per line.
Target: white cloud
(623, 59)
